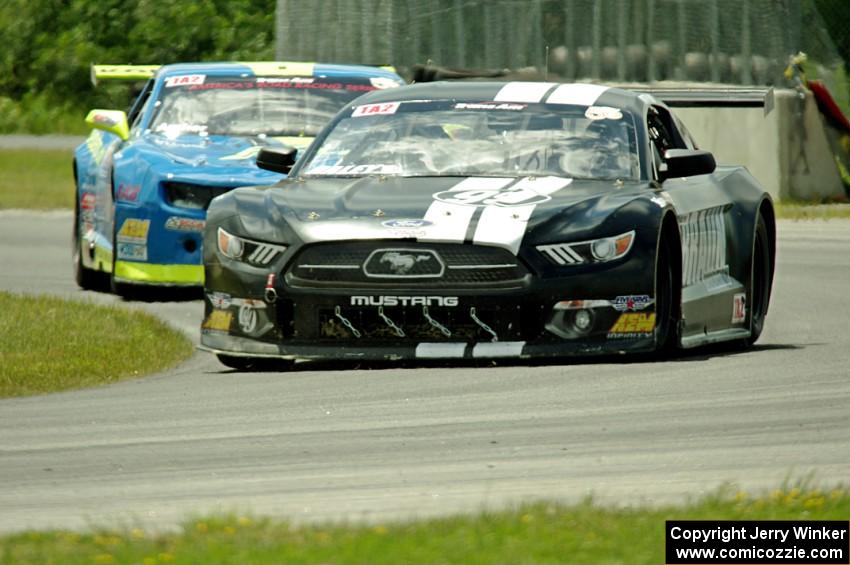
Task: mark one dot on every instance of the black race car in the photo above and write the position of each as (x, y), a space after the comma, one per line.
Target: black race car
(484, 220)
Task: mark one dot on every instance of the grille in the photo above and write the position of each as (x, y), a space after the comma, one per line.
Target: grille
(416, 324)
(341, 264)
(194, 196)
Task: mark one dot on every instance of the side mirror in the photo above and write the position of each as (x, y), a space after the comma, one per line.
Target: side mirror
(277, 160)
(113, 121)
(687, 163)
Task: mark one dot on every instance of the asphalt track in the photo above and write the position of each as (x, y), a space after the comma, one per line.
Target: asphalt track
(375, 443)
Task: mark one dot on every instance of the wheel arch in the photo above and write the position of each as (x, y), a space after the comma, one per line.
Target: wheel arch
(668, 234)
(767, 212)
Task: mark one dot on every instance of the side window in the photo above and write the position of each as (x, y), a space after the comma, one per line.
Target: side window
(663, 135)
(136, 110)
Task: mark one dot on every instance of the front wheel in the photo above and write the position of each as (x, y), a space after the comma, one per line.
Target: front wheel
(666, 302)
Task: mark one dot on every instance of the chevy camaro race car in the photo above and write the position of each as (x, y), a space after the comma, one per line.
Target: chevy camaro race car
(481, 219)
(144, 178)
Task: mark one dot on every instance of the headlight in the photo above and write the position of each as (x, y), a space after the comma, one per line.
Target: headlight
(594, 251)
(256, 253)
(194, 196)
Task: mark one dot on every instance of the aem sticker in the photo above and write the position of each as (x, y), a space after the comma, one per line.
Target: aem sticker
(185, 80)
(134, 231)
(631, 325)
(739, 308)
(603, 113)
(218, 320)
(375, 109)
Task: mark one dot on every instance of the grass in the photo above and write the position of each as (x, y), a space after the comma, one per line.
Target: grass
(48, 344)
(535, 533)
(36, 180)
(812, 210)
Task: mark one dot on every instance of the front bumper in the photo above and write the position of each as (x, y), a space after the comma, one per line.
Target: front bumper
(598, 312)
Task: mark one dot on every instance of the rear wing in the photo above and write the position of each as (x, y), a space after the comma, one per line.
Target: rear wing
(122, 72)
(727, 96)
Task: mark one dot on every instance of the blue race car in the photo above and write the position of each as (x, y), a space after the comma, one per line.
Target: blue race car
(144, 178)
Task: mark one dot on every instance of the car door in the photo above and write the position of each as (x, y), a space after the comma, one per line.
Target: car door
(105, 187)
(703, 211)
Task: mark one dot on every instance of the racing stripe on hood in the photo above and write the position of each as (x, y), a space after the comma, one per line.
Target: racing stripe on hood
(449, 222)
(524, 91)
(505, 226)
(576, 94)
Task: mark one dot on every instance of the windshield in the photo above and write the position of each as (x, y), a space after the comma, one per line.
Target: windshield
(450, 138)
(274, 106)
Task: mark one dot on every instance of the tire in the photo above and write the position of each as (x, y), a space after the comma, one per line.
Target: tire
(758, 295)
(254, 363)
(666, 303)
(86, 278)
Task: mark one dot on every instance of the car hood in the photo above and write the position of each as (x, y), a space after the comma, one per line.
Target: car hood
(218, 150)
(484, 210)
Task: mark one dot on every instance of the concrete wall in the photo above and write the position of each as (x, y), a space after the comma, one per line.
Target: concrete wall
(787, 150)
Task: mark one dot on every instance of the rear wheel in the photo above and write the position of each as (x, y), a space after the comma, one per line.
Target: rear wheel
(254, 363)
(86, 278)
(759, 294)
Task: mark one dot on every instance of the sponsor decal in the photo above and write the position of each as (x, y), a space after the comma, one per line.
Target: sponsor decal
(185, 80)
(375, 109)
(406, 224)
(248, 317)
(382, 83)
(489, 106)
(739, 308)
(630, 325)
(87, 201)
(449, 301)
(218, 320)
(407, 228)
(104, 119)
(128, 192)
(356, 170)
(603, 113)
(176, 223)
(134, 231)
(133, 251)
(632, 302)
(219, 300)
(285, 80)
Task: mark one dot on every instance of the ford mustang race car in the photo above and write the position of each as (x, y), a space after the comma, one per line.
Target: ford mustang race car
(484, 220)
(144, 178)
